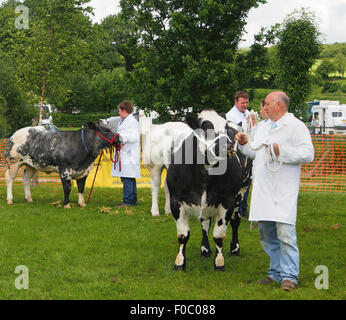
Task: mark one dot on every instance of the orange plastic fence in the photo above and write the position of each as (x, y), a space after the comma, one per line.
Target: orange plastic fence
(328, 170)
(326, 173)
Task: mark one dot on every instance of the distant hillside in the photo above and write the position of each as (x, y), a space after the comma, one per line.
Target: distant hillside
(331, 50)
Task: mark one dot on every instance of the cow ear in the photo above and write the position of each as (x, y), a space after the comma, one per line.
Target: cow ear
(207, 125)
(192, 122)
(92, 125)
(223, 115)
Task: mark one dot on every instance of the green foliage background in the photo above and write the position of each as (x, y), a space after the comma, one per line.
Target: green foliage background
(161, 55)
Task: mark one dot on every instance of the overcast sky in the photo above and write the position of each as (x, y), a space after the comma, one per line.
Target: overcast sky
(331, 15)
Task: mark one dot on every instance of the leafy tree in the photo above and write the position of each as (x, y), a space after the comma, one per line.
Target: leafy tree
(188, 52)
(340, 63)
(326, 67)
(116, 32)
(107, 89)
(15, 112)
(254, 67)
(56, 47)
(298, 47)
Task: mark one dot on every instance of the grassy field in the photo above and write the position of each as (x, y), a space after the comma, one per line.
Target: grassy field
(101, 252)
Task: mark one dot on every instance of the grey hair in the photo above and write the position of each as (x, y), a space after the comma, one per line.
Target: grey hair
(283, 97)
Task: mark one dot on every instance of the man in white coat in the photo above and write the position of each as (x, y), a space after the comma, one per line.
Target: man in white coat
(239, 114)
(286, 140)
(128, 169)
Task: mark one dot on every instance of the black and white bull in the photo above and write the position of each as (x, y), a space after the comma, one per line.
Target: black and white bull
(210, 182)
(70, 153)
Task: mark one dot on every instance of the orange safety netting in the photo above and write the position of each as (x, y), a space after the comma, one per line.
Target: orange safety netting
(328, 170)
(326, 173)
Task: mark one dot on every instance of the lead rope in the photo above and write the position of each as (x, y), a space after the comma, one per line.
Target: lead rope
(269, 152)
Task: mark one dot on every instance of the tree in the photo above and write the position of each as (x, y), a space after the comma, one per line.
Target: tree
(116, 32)
(107, 89)
(326, 67)
(188, 52)
(340, 63)
(15, 112)
(56, 47)
(298, 47)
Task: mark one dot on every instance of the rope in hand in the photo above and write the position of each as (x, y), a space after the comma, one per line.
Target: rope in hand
(272, 161)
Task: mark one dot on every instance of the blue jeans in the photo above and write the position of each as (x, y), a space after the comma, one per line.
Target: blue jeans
(279, 241)
(129, 191)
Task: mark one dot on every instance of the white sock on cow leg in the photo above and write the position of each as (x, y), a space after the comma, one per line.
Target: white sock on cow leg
(179, 260)
(81, 201)
(219, 260)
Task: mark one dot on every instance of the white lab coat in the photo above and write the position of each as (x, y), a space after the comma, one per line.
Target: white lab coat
(235, 116)
(130, 155)
(275, 194)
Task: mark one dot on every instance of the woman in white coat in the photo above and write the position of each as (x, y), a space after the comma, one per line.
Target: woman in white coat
(128, 168)
(275, 192)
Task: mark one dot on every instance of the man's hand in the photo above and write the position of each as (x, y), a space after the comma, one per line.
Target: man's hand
(241, 138)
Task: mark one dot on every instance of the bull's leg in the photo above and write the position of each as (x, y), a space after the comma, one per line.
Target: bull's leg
(205, 247)
(81, 185)
(183, 234)
(220, 230)
(28, 173)
(66, 177)
(235, 222)
(155, 181)
(167, 204)
(10, 175)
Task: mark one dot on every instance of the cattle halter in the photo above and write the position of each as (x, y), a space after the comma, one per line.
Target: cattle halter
(212, 143)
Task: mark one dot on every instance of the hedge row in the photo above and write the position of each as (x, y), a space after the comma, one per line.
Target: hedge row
(77, 120)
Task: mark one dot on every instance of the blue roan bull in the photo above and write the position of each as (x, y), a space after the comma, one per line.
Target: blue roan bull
(207, 178)
(71, 153)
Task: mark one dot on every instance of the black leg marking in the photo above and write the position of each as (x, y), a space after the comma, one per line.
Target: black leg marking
(235, 222)
(205, 246)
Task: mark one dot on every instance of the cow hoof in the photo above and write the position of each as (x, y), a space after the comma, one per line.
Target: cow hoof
(9, 202)
(219, 269)
(168, 213)
(29, 200)
(82, 205)
(155, 214)
(205, 254)
(234, 253)
(179, 268)
(67, 206)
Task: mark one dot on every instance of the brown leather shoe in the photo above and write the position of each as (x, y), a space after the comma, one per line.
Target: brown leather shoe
(265, 281)
(123, 205)
(288, 285)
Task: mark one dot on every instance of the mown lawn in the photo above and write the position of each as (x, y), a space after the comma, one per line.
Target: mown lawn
(101, 252)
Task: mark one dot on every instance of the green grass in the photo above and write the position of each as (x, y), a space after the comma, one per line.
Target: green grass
(101, 252)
